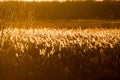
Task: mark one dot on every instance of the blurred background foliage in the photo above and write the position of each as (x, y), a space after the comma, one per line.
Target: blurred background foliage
(69, 10)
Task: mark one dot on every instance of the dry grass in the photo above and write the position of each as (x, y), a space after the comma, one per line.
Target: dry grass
(56, 54)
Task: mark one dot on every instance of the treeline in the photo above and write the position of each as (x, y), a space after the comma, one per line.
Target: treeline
(59, 10)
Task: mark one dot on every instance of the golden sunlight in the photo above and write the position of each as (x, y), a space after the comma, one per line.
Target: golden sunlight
(50, 0)
(57, 0)
(35, 0)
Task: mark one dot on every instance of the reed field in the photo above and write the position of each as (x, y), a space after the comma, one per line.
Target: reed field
(59, 51)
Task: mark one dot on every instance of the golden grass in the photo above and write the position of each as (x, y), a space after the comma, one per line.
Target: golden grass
(64, 51)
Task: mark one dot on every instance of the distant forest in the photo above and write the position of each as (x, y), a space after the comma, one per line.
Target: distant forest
(107, 10)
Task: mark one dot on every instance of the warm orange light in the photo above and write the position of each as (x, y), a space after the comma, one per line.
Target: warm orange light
(98, 0)
(42, 0)
(34, 0)
(54, 0)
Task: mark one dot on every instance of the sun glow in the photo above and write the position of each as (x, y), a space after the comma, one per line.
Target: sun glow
(49, 0)
(55, 0)
(37, 0)
(42, 0)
